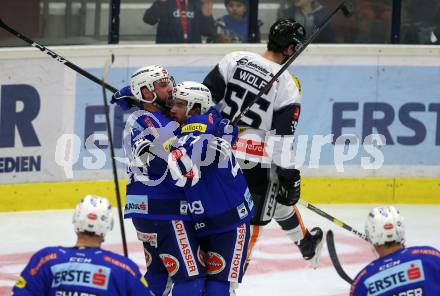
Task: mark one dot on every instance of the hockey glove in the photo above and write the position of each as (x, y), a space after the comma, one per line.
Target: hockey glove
(124, 98)
(140, 150)
(289, 189)
(220, 146)
(227, 130)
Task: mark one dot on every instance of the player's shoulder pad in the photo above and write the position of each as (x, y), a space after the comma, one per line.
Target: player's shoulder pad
(51, 250)
(423, 251)
(150, 122)
(154, 119)
(120, 261)
(296, 81)
(44, 256)
(237, 57)
(199, 124)
(358, 279)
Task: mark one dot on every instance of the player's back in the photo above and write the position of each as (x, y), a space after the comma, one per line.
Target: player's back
(63, 271)
(411, 271)
(244, 74)
(234, 83)
(220, 200)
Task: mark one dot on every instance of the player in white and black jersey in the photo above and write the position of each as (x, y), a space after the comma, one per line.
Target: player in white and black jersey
(273, 180)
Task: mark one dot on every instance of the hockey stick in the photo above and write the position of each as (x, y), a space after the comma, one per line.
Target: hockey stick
(334, 257)
(332, 219)
(105, 73)
(346, 9)
(57, 57)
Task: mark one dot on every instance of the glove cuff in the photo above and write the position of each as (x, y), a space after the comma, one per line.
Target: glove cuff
(288, 173)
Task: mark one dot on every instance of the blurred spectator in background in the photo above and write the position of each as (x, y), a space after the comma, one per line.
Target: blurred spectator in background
(181, 21)
(310, 14)
(373, 21)
(421, 22)
(234, 26)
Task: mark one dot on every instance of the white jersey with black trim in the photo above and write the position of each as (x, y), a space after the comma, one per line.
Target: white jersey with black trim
(245, 74)
(235, 82)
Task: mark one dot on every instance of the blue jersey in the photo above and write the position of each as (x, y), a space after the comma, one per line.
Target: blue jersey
(62, 271)
(411, 271)
(220, 201)
(151, 193)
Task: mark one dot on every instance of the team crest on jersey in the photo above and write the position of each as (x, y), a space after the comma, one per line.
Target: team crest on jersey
(171, 263)
(215, 263)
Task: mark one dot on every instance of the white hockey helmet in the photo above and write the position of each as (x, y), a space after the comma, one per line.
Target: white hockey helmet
(385, 224)
(93, 214)
(146, 77)
(193, 93)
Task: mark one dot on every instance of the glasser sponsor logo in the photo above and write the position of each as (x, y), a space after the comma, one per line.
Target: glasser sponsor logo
(185, 247)
(234, 272)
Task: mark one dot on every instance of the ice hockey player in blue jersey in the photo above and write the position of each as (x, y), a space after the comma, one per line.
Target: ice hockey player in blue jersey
(216, 191)
(85, 269)
(153, 202)
(399, 271)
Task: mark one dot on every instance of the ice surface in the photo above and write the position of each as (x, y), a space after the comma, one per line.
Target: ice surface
(277, 267)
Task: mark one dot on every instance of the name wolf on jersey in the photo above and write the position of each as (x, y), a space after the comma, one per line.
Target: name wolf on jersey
(81, 274)
(250, 79)
(404, 274)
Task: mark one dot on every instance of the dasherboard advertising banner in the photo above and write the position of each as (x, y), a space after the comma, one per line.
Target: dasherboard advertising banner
(364, 112)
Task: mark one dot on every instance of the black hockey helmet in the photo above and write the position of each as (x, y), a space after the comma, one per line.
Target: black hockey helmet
(285, 32)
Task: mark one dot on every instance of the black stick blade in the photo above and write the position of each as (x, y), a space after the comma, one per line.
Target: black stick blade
(334, 257)
(347, 8)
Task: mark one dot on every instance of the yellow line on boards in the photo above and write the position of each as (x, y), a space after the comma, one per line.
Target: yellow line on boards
(316, 190)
